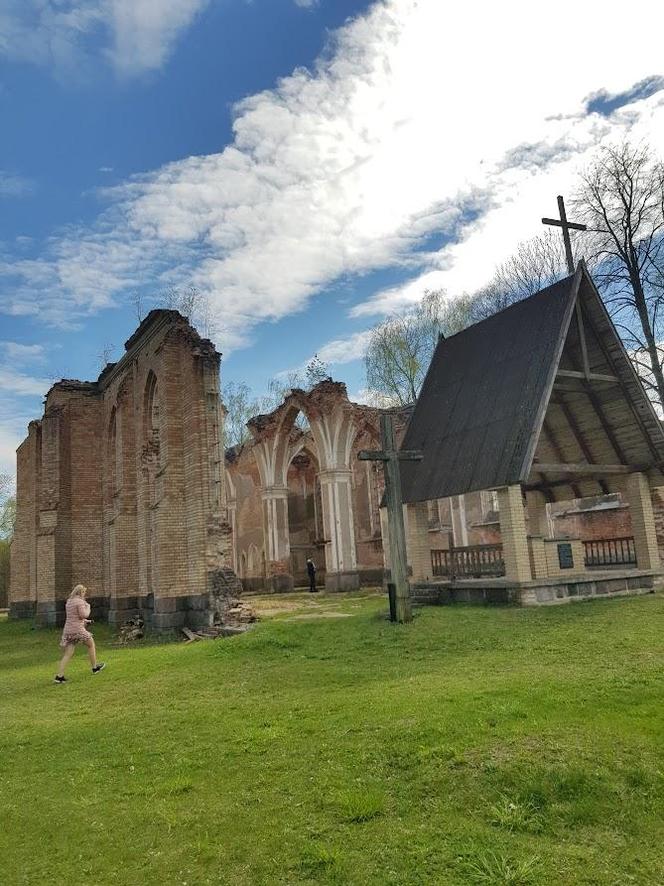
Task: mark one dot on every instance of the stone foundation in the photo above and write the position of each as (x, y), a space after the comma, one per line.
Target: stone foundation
(342, 581)
(22, 608)
(542, 592)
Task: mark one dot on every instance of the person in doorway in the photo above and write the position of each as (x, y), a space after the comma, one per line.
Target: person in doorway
(75, 631)
(311, 570)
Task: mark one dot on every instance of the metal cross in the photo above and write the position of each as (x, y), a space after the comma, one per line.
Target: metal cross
(391, 456)
(566, 226)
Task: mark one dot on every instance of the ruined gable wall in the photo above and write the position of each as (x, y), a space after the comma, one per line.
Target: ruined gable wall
(84, 478)
(169, 509)
(68, 501)
(249, 535)
(130, 504)
(23, 576)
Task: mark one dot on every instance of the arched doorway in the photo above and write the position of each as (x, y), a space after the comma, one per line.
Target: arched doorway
(305, 523)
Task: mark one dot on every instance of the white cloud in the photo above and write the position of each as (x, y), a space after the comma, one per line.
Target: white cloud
(18, 384)
(333, 353)
(306, 4)
(345, 350)
(19, 393)
(414, 113)
(20, 353)
(136, 35)
(14, 185)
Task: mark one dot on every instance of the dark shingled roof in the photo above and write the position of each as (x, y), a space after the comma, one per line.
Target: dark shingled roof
(478, 414)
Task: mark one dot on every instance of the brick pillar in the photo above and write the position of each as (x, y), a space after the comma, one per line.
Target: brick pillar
(277, 538)
(513, 533)
(538, 523)
(643, 522)
(232, 519)
(419, 547)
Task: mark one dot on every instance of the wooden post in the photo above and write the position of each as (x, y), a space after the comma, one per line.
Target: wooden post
(390, 456)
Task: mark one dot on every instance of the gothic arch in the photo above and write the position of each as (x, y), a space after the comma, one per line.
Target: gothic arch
(333, 422)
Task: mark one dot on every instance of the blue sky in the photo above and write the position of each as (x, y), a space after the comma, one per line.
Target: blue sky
(309, 165)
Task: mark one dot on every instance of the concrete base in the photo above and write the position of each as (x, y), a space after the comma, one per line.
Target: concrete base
(281, 583)
(542, 592)
(22, 609)
(49, 614)
(342, 581)
(160, 614)
(254, 584)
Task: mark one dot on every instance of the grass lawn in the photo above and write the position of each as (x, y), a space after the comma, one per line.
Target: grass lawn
(475, 746)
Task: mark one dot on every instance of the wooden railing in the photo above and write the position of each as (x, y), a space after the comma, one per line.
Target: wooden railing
(474, 561)
(605, 552)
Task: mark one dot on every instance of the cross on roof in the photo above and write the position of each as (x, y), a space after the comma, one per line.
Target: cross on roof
(391, 456)
(566, 226)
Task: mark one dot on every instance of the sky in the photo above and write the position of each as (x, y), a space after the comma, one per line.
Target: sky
(311, 166)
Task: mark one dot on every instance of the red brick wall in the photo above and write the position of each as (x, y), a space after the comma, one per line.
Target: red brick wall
(87, 499)
(590, 525)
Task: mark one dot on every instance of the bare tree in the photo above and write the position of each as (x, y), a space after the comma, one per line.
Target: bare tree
(137, 299)
(537, 263)
(8, 517)
(195, 306)
(5, 485)
(400, 349)
(240, 407)
(7, 507)
(621, 199)
(105, 356)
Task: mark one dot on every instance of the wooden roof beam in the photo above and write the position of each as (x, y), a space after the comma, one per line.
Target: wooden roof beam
(587, 377)
(587, 468)
(580, 439)
(550, 437)
(609, 359)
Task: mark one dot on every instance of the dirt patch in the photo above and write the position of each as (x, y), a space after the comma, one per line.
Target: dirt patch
(309, 616)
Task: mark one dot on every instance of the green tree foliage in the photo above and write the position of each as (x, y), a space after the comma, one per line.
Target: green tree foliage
(8, 517)
(400, 348)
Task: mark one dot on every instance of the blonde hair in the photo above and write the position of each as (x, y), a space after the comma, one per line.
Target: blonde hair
(79, 591)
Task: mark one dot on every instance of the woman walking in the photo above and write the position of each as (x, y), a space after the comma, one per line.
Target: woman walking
(75, 631)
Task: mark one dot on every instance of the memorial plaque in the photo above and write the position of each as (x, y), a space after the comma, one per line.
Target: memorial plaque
(565, 557)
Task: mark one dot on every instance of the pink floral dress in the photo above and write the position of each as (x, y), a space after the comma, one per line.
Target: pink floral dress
(74, 631)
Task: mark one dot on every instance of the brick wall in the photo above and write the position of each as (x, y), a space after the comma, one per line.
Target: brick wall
(129, 503)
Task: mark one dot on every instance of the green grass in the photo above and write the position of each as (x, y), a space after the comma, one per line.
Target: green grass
(475, 746)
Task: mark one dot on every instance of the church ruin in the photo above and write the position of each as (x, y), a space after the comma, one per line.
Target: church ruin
(297, 490)
(120, 486)
(541, 460)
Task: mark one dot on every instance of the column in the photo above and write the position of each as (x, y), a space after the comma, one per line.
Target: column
(277, 540)
(232, 519)
(538, 520)
(340, 554)
(419, 548)
(53, 557)
(513, 532)
(643, 522)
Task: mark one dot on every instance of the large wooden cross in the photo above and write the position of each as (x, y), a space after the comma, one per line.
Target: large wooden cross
(390, 457)
(566, 226)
